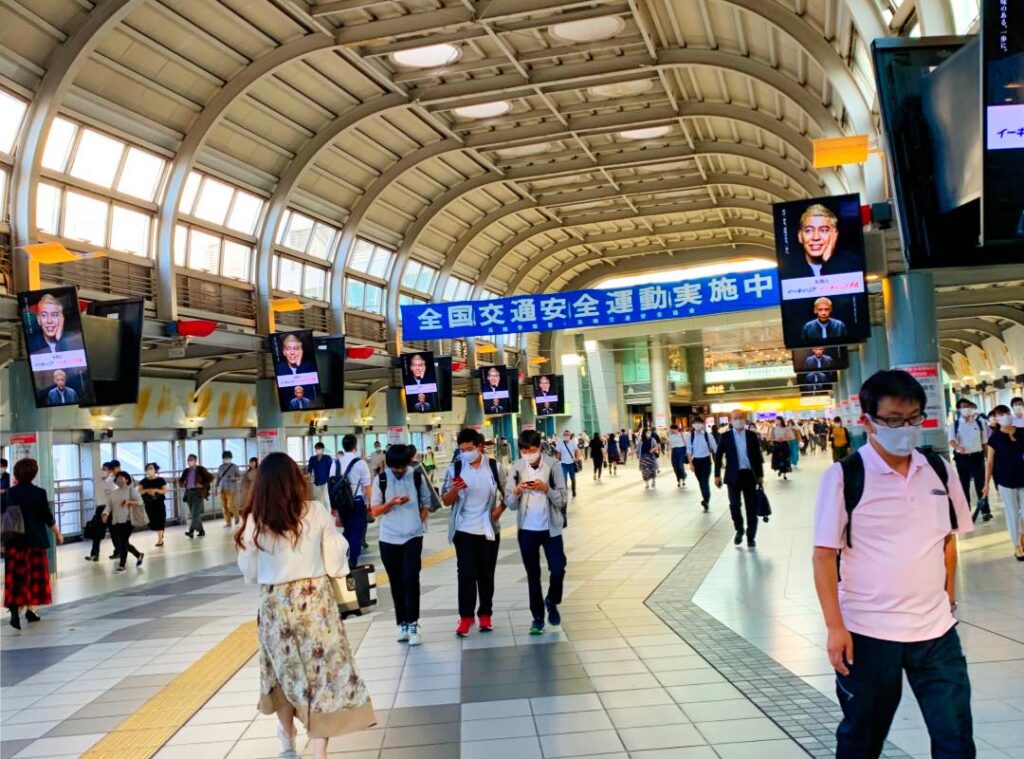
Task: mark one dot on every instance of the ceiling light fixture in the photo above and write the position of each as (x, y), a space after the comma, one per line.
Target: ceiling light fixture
(427, 56)
(521, 151)
(588, 29)
(621, 89)
(483, 110)
(647, 133)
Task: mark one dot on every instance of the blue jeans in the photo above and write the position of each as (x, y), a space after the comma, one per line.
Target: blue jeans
(869, 695)
(679, 463)
(354, 530)
(569, 473)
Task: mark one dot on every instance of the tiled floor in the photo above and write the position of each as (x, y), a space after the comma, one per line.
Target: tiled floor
(623, 678)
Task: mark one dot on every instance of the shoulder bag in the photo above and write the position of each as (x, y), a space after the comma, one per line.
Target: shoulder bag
(12, 525)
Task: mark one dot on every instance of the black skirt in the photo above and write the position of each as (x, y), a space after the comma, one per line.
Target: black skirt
(156, 511)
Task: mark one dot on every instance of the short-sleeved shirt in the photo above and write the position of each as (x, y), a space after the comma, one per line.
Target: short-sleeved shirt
(701, 444)
(894, 576)
(676, 440)
(1007, 458)
(969, 434)
(475, 516)
(567, 451)
(358, 476)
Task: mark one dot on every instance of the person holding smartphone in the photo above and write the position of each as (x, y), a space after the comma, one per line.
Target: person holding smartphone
(401, 502)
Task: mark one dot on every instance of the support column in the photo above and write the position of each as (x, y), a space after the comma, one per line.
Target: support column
(269, 419)
(874, 354)
(912, 331)
(474, 410)
(28, 420)
(853, 382)
(620, 392)
(601, 365)
(573, 395)
(397, 416)
(694, 355)
(661, 412)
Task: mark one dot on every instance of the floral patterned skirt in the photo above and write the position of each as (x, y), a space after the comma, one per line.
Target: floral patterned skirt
(305, 660)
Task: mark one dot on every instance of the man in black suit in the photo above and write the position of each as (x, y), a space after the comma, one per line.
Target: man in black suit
(299, 401)
(744, 471)
(818, 359)
(823, 326)
(422, 406)
(50, 337)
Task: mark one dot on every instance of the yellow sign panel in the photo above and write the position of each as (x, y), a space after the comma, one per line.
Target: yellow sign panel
(836, 151)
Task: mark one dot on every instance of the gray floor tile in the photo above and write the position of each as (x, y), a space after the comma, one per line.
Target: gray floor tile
(423, 715)
(740, 730)
(573, 722)
(421, 735)
(494, 709)
(647, 716)
(435, 751)
(500, 727)
(509, 748)
(660, 736)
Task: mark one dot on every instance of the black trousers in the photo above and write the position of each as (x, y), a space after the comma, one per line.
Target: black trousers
(937, 673)
(402, 563)
(702, 470)
(121, 535)
(530, 543)
(678, 458)
(746, 486)
(101, 531)
(971, 466)
(476, 558)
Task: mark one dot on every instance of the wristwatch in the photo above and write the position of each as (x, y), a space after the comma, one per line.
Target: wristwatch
(953, 606)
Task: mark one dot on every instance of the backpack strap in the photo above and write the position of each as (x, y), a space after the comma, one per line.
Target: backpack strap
(938, 465)
(494, 472)
(382, 481)
(417, 480)
(853, 489)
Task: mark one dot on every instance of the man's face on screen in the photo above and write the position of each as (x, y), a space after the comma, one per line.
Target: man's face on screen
(292, 352)
(51, 320)
(418, 367)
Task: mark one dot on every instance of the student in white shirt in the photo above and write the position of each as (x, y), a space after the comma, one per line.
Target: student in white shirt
(401, 503)
(288, 544)
(568, 453)
(968, 437)
(1017, 412)
(677, 444)
(536, 492)
(701, 446)
(471, 488)
(354, 523)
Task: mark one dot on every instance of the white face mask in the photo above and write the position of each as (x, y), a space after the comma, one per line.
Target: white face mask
(966, 413)
(469, 457)
(1018, 410)
(698, 426)
(739, 424)
(532, 458)
(1005, 420)
(900, 441)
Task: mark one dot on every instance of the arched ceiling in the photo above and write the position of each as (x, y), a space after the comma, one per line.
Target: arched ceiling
(305, 103)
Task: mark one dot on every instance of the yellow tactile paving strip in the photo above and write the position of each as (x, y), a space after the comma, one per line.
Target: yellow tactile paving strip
(145, 732)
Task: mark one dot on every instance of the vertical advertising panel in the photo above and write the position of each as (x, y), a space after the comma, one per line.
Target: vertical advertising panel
(52, 325)
(419, 378)
(548, 397)
(494, 389)
(295, 369)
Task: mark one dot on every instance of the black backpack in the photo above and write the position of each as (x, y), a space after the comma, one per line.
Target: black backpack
(382, 482)
(339, 490)
(853, 487)
(494, 470)
(981, 428)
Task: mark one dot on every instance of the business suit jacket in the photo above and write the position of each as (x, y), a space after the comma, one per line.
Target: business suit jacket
(37, 343)
(727, 450)
(298, 404)
(833, 328)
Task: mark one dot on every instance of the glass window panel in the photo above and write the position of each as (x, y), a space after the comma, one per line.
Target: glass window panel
(180, 245)
(245, 212)
(3, 192)
(449, 289)
(191, 447)
(132, 458)
(237, 447)
(214, 199)
(379, 262)
(296, 446)
(374, 302)
(210, 452)
(141, 174)
(13, 110)
(97, 158)
(252, 448)
(48, 208)
(321, 242)
(361, 255)
(964, 14)
(65, 462)
(354, 292)
(236, 260)
(204, 251)
(189, 192)
(160, 452)
(289, 277)
(412, 271)
(58, 144)
(299, 230)
(426, 279)
(313, 286)
(85, 218)
(129, 231)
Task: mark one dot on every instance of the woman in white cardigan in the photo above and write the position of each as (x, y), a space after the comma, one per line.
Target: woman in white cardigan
(291, 548)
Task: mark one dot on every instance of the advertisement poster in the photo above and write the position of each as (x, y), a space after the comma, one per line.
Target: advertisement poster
(494, 389)
(930, 377)
(295, 370)
(419, 378)
(23, 446)
(269, 442)
(52, 324)
(396, 435)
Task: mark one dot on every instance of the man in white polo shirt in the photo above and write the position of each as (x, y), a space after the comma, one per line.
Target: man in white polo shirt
(886, 514)
(968, 436)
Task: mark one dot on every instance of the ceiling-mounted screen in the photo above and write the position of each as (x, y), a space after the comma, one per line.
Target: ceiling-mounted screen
(55, 343)
(820, 358)
(295, 368)
(548, 397)
(419, 378)
(494, 389)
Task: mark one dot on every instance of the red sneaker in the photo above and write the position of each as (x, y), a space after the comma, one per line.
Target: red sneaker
(465, 623)
(485, 624)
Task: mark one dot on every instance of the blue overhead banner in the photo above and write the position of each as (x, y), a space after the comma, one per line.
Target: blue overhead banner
(592, 308)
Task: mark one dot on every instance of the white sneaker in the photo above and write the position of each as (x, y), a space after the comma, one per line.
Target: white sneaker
(287, 742)
(414, 634)
(403, 633)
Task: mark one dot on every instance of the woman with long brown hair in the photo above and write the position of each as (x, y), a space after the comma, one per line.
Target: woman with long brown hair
(290, 546)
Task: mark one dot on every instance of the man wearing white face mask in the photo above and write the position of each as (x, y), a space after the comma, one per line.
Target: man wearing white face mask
(891, 514)
(968, 437)
(1017, 412)
(701, 446)
(472, 486)
(744, 472)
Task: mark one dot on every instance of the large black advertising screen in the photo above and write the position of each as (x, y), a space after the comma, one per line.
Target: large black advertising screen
(820, 358)
(819, 245)
(548, 397)
(494, 389)
(1002, 72)
(419, 378)
(55, 344)
(295, 369)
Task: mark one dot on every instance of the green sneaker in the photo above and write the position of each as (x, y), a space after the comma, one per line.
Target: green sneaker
(537, 628)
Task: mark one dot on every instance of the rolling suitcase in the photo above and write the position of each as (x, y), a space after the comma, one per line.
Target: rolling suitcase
(358, 591)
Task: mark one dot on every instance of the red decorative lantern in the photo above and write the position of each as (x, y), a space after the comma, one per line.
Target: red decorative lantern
(192, 328)
(359, 352)
(458, 366)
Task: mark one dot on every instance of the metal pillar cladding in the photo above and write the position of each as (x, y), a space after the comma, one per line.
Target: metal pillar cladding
(474, 410)
(601, 368)
(661, 412)
(270, 433)
(694, 355)
(912, 330)
(27, 419)
(854, 379)
(398, 417)
(874, 354)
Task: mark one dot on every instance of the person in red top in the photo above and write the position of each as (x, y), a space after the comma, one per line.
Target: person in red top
(893, 610)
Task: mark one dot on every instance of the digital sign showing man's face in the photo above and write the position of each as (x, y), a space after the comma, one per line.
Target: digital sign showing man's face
(544, 383)
(818, 352)
(493, 377)
(60, 379)
(299, 392)
(51, 317)
(421, 398)
(418, 366)
(823, 309)
(818, 234)
(292, 349)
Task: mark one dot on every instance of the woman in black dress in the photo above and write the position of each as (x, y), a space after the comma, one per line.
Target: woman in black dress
(27, 570)
(597, 454)
(153, 489)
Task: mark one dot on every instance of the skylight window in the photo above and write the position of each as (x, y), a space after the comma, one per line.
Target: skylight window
(521, 151)
(245, 212)
(58, 144)
(588, 29)
(214, 200)
(13, 110)
(647, 133)
(484, 110)
(85, 218)
(427, 56)
(129, 231)
(97, 158)
(621, 89)
(141, 175)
